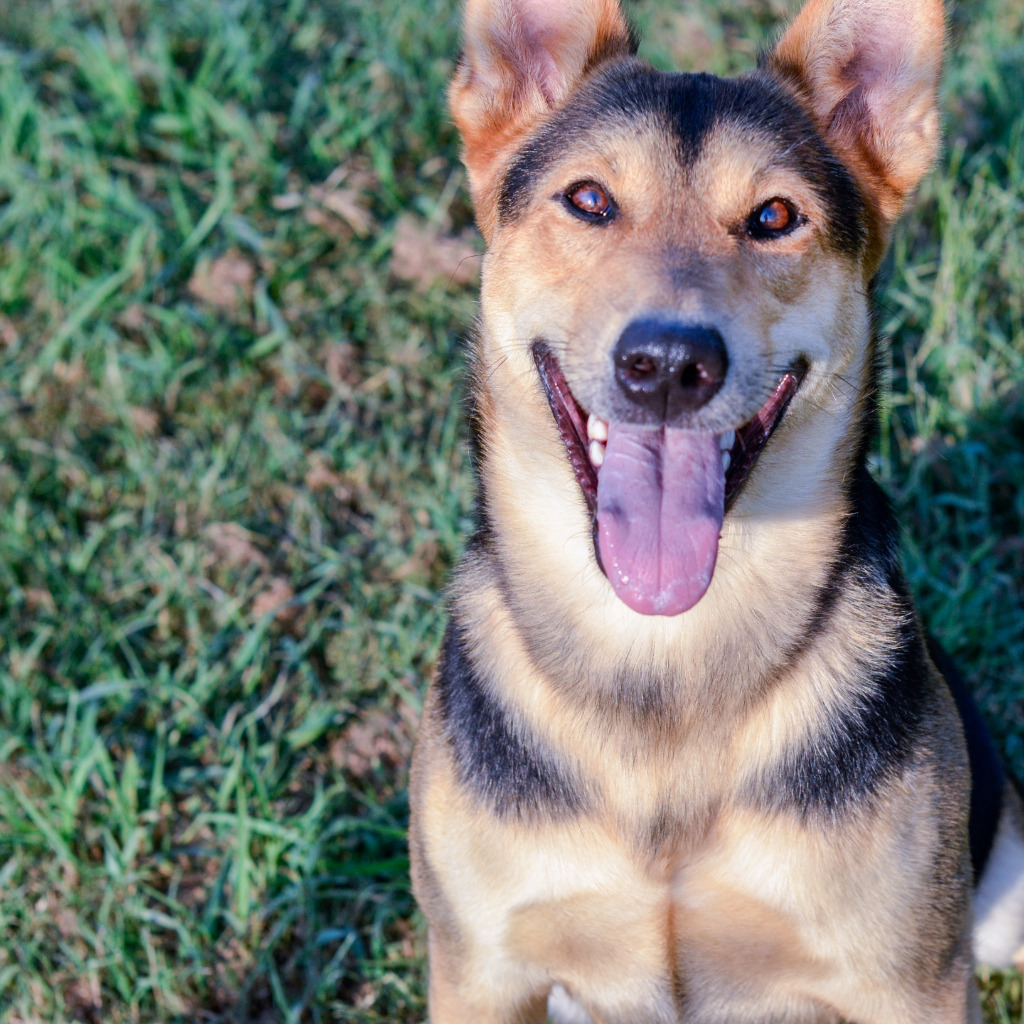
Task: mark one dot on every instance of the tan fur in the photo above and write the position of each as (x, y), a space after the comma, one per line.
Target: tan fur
(673, 894)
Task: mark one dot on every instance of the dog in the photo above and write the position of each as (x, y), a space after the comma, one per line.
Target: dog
(688, 754)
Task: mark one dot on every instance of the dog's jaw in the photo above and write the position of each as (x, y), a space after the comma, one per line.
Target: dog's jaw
(657, 511)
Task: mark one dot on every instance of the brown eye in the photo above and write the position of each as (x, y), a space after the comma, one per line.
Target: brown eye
(771, 219)
(591, 201)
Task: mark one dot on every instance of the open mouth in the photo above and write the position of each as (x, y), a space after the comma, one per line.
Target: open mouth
(658, 495)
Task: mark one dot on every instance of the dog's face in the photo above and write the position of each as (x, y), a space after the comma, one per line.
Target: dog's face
(683, 261)
(681, 251)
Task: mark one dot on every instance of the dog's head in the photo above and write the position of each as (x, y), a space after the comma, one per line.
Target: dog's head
(680, 261)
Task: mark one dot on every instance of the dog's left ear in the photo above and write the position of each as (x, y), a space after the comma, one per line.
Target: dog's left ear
(867, 71)
(521, 61)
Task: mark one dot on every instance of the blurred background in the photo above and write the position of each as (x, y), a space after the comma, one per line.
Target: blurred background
(237, 268)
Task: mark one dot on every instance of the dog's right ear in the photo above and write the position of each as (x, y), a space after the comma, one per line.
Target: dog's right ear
(521, 60)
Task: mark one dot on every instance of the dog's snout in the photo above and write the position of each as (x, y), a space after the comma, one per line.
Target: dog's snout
(669, 369)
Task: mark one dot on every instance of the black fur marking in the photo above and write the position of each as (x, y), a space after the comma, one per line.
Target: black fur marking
(987, 778)
(494, 754)
(871, 740)
(691, 106)
(863, 746)
(660, 829)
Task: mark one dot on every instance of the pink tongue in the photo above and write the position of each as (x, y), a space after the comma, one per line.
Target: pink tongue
(660, 502)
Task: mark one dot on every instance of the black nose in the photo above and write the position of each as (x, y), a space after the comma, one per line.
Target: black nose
(669, 369)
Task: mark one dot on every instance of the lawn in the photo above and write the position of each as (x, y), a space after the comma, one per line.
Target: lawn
(237, 265)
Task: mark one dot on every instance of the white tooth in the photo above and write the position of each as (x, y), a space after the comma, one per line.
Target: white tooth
(597, 428)
(726, 441)
(596, 450)
(726, 459)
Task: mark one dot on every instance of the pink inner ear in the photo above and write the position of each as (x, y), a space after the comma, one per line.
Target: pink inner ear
(892, 99)
(884, 66)
(551, 82)
(546, 28)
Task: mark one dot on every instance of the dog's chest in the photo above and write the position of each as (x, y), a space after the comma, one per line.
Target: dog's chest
(716, 923)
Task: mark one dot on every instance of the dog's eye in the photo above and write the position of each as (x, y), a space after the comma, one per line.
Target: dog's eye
(590, 201)
(771, 219)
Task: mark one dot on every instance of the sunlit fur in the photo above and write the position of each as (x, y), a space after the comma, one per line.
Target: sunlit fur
(755, 810)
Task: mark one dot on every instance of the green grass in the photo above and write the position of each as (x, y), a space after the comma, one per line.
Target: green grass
(232, 479)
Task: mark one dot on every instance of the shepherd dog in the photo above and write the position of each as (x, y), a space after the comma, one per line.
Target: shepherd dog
(689, 754)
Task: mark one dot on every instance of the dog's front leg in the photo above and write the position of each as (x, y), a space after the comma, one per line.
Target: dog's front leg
(459, 995)
(472, 980)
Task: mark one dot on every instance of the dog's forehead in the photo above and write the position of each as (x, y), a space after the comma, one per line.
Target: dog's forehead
(693, 118)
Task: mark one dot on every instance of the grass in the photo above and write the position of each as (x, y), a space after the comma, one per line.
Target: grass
(233, 282)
